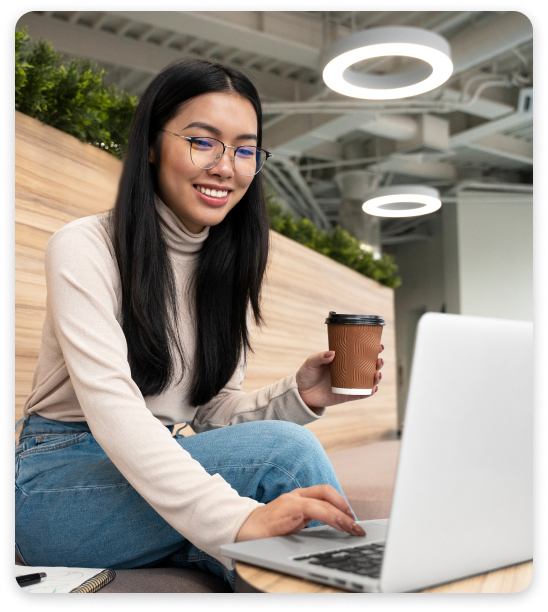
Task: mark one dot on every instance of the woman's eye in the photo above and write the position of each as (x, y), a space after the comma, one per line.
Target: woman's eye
(247, 152)
(202, 144)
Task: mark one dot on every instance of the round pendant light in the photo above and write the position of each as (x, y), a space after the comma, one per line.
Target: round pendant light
(402, 201)
(421, 44)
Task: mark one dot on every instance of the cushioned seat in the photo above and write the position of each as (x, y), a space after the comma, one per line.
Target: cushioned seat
(165, 580)
(367, 475)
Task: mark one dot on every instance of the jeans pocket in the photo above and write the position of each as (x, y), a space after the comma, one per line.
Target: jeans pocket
(45, 443)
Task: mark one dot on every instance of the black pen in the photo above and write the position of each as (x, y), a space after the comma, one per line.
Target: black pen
(29, 579)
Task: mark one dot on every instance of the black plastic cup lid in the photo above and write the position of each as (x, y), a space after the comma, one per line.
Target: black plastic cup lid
(354, 319)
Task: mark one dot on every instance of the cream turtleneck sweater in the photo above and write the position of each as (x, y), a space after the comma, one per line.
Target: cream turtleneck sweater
(83, 374)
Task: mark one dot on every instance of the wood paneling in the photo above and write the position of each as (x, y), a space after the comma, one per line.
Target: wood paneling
(302, 287)
(58, 179)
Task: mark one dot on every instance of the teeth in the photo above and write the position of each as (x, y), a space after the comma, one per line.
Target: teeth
(213, 192)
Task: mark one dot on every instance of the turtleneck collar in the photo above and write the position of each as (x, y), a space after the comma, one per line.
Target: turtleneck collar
(178, 238)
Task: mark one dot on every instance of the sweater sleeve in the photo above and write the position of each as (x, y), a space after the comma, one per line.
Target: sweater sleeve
(280, 401)
(81, 292)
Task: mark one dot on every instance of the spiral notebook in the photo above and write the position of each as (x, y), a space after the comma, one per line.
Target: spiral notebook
(66, 579)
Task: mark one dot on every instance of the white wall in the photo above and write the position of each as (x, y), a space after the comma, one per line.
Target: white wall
(421, 269)
(478, 262)
(495, 257)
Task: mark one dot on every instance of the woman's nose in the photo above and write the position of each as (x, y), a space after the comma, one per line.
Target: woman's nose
(225, 166)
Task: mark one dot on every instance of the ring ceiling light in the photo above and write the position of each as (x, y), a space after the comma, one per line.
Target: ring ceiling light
(383, 42)
(402, 201)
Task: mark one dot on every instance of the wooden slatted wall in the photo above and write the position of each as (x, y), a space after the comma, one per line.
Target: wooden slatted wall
(58, 179)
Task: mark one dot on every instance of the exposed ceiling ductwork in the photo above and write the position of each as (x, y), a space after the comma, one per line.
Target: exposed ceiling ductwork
(471, 48)
(394, 127)
(479, 124)
(478, 45)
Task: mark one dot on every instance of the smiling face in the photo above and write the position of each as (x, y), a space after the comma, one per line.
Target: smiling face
(181, 185)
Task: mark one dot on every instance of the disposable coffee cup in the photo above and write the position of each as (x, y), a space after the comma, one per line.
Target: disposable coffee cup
(356, 340)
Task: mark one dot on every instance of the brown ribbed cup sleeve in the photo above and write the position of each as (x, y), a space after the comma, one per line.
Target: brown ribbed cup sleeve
(356, 351)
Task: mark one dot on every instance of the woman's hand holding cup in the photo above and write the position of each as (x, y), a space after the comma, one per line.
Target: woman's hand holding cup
(314, 381)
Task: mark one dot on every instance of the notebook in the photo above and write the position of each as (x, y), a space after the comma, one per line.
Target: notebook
(66, 579)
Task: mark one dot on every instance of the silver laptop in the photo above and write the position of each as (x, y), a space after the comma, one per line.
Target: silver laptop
(463, 498)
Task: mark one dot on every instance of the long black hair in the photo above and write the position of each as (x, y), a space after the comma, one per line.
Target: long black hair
(230, 266)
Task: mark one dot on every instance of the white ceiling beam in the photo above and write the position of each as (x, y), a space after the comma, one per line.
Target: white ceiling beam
(228, 34)
(476, 46)
(124, 28)
(524, 133)
(189, 44)
(423, 169)
(171, 38)
(232, 55)
(105, 47)
(143, 36)
(213, 49)
(290, 139)
(270, 65)
(483, 107)
(290, 70)
(101, 22)
(100, 46)
(453, 21)
(491, 127)
(296, 134)
(505, 146)
(251, 60)
(372, 18)
(327, 151)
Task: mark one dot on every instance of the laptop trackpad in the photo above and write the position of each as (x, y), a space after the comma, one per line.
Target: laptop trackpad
(374, 530)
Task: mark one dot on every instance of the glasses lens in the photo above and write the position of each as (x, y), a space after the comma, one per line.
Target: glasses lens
(205, 152)
(248, 160)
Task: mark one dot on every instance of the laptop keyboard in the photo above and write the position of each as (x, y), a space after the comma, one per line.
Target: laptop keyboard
(362, 560)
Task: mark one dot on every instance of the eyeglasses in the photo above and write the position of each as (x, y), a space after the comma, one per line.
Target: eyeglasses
(207, 152)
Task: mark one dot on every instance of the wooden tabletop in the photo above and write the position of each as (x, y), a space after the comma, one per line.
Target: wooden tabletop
(253, 579)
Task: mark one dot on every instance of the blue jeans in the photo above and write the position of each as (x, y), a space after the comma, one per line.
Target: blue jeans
(73, 508)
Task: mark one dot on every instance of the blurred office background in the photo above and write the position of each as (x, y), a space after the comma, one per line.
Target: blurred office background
(471, 138)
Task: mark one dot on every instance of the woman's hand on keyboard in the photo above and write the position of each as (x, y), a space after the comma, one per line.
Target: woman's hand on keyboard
(293, 511)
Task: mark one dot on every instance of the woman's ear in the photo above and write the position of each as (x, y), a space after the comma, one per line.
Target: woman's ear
(151, 154)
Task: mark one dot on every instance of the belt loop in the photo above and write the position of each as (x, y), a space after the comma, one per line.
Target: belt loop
(23, 420)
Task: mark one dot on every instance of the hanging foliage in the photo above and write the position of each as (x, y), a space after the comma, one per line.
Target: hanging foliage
(70, 96)
(338, 245)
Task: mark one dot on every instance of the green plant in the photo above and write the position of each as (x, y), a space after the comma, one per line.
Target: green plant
(71, 96)
(338, 245)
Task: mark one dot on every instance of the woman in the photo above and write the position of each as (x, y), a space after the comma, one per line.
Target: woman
(147, 326)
